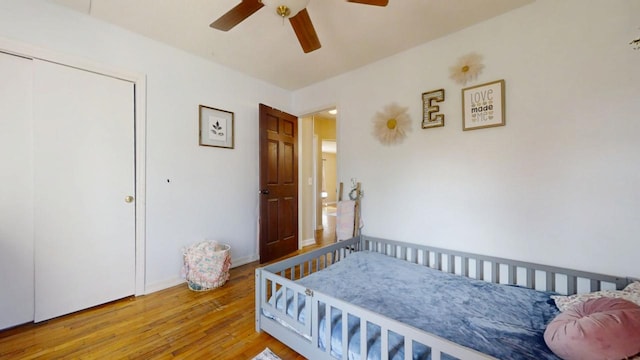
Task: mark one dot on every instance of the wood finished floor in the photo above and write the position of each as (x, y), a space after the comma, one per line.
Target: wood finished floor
(168, 324)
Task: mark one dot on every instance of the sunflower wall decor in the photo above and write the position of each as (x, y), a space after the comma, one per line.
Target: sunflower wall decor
(467, 68)
(391, 125)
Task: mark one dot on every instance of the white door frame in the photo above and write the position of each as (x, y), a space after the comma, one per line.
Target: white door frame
(140, 86)
(302, 181)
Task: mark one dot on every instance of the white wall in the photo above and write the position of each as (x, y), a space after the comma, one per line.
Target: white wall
(557, 185)
(212, 192)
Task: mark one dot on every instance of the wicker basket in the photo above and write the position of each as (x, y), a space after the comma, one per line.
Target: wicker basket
(206, 265)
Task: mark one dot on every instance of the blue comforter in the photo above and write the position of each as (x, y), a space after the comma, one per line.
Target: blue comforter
(503, 321)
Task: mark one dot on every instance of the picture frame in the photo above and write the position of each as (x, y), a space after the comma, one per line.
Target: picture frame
(430, 112)
(483, 106)
(216, 127)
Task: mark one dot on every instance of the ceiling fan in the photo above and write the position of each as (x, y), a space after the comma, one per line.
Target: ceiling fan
(294, 10)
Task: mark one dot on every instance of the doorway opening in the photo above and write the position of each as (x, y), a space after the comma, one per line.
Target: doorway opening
(318, 177)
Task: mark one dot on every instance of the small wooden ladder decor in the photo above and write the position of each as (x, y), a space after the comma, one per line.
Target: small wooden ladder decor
(356, 195)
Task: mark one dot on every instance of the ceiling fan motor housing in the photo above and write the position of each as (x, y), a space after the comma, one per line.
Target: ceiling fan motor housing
(286, 8)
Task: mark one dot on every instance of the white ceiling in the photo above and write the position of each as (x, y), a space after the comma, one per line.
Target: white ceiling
(265, 47)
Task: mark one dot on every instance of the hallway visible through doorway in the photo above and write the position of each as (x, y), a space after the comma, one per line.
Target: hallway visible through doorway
(318, 177)
(327, 235)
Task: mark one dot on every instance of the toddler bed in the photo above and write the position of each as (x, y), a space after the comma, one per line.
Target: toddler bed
(387, 299)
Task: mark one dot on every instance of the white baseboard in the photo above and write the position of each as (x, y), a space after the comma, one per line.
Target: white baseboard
(307, 242)
(245, 260)
(161, 285)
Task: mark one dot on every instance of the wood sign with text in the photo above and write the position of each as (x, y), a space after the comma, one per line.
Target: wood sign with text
(483, 106)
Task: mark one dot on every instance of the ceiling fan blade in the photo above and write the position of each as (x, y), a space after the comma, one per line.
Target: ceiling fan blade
(236, 15)
(303, 27)
(371, 2)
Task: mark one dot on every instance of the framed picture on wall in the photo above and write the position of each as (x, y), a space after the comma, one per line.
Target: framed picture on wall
(216, 127)
(483, 106)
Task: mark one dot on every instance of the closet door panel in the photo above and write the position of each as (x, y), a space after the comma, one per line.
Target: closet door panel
(84, 170)
(16, 192)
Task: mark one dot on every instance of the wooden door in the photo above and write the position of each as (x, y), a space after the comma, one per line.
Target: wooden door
(278, 183)
(16, 192)
(84, 173)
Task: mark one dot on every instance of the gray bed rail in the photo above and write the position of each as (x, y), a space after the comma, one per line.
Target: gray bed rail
(497, 270)
(303, 336)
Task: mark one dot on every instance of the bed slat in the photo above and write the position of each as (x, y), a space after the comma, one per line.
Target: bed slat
(451, 263)
(384, 342)
(479, 269)
(551, 281)
(364, 350)
(464, 264)
(345, 335)
(572, 284)
(513, 275)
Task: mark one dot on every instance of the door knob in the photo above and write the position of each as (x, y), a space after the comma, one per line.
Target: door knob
(264, 191)
(128, 199)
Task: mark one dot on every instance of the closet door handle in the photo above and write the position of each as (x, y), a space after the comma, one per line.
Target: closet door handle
(128, 199)
(264, 192)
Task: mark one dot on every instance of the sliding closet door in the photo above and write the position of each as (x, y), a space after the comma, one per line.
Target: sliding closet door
(16, 192)
(84, 171)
